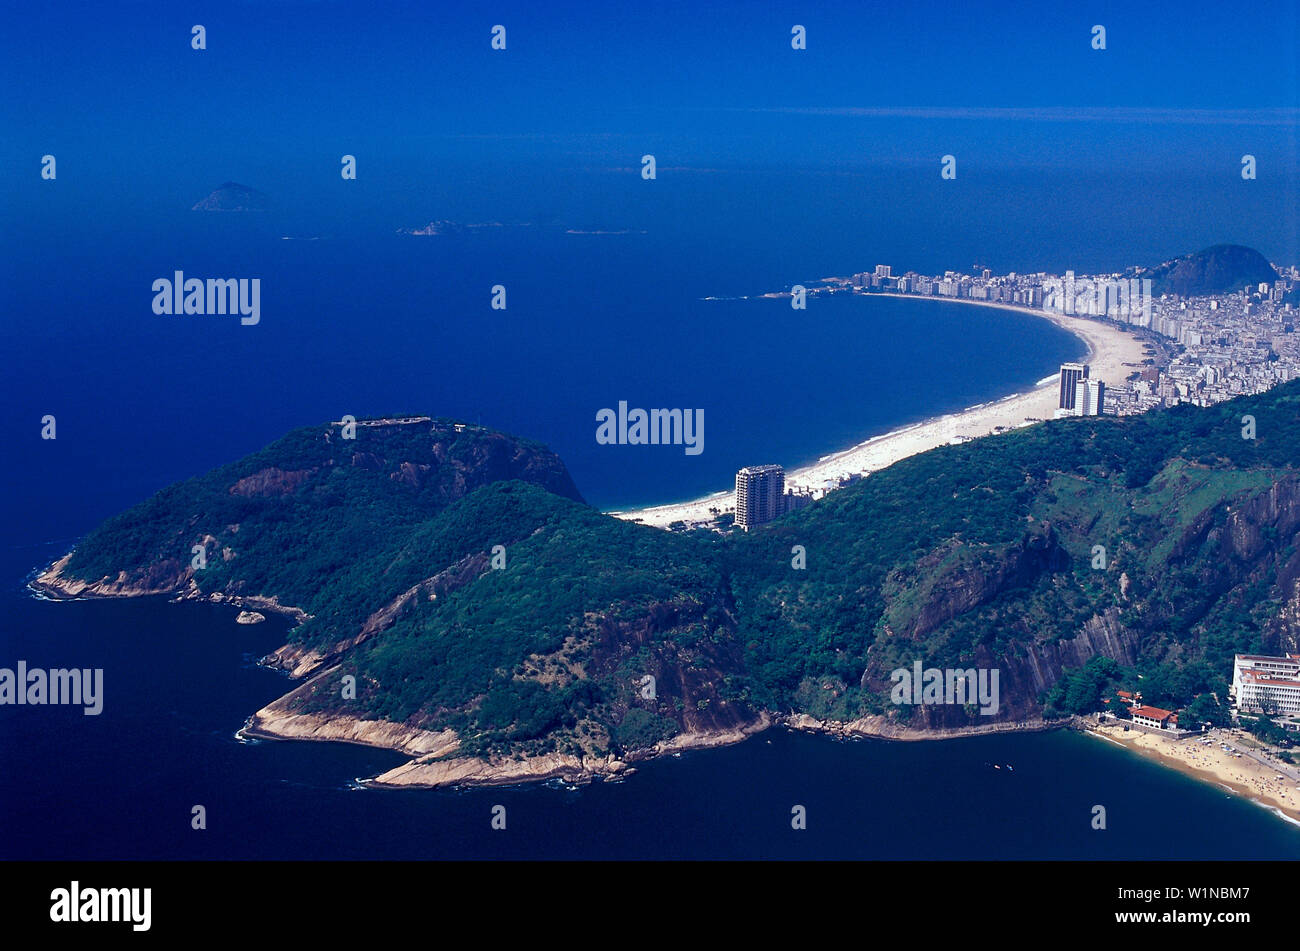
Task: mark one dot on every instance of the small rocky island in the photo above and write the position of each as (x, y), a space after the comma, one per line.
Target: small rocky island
(231, 196)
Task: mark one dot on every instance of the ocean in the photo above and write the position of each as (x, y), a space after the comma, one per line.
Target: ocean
(181, 678)
(379, 323)
(403, 324)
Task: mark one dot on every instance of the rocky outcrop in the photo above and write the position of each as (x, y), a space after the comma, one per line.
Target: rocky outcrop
(466, 464)
(296, 660)
(266, 724)
(283, 720)
(232, 196)
(1103, 635)
(431, 771)
(1030, 669)
(162, 578)
(467, 771)
(271, 482)
(888, 728)
(688, 680)
(940, 594)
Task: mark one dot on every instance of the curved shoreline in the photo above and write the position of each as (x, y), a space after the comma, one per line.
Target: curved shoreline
(1113, 353)
(1247, 778)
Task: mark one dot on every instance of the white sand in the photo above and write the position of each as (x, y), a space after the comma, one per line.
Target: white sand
(1273, 785)
(1112, 352)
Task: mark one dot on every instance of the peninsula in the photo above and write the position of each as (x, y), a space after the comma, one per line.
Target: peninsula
(459, 602)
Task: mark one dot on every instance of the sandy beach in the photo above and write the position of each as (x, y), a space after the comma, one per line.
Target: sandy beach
(1113, 354)
(1273, 786)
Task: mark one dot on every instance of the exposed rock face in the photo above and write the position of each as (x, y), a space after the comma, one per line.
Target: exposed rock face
(271, 482)
(1024, 676)
(1273, 512)
(1283, 633)
(1230, 546)
(688, 681)
(163, 577)
(943, 594)
(296, 659)
(250, 617)
(411, 474)
(279, 720)
(380, 733)
(890, 729)
(430, 772)
(495, 457)
(462, 771)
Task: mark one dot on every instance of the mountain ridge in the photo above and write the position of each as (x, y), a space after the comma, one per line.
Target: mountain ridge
(596, 642)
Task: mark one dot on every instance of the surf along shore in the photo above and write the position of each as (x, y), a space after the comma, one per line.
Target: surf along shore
(1113, 353)
(1273, 786)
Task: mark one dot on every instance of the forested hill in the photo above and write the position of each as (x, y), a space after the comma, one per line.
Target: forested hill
(312, 520)
(1074, 556)
(1221, 269)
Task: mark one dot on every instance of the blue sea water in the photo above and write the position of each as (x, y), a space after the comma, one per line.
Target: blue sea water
(375, 322)
(181, 678)
(383, 323)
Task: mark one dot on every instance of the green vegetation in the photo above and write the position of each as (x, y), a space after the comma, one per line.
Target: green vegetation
(1082, 690)
(979, 555)
(642, 729)
(1221, 269)
(1267, 731)
(323, 523)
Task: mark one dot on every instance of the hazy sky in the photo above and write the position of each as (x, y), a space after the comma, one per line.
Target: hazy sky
(414, 90)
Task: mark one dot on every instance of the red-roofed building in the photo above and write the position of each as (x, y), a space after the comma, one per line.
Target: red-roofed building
(1155, 718)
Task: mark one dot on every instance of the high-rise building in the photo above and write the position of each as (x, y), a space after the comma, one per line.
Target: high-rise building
(760, 495)
(883, 270)
(1071, 374)
(797, 498)
(1089, 395)
(1263, 684)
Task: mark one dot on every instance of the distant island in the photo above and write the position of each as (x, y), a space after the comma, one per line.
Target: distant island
(231, 196)
(457, 600)
(444, 227)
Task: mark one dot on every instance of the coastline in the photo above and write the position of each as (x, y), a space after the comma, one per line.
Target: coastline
(1243, 777)
(1113, 353)
(434, 763)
